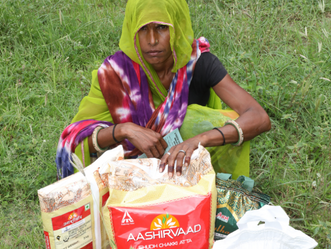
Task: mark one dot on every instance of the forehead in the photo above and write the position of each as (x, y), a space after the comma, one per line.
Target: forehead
(155, 24)
(152, 24)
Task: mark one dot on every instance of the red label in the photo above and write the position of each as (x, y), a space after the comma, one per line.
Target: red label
(105, 198)
(48, 244)
(71, 217)
(181, 224)
(89, 246)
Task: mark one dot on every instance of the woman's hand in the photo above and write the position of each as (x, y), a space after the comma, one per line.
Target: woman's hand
(146, 140)
(180, 153)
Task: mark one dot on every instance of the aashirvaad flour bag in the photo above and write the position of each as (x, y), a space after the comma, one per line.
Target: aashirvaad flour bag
(146, 209)
(70, 208)
(67, 213)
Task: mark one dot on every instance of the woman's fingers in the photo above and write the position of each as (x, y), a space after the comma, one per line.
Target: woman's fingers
(163, 143)
(155, 152)
(181, 154)
(164, 159)
(148, 153)
(180, 158)
(178, 154)
(160, 145)
(146, 140)
(156, 144)
(189, 153)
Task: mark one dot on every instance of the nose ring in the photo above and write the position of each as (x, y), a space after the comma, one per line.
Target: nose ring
(156, 41)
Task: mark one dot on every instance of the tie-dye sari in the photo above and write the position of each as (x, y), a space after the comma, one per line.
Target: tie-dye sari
(125, 88)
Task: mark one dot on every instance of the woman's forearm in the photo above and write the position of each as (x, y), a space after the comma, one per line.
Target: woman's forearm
(253, 119)
(105, 137)
(144, 139)
(252, 122)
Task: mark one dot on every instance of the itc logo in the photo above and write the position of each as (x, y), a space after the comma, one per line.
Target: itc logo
(127, 219)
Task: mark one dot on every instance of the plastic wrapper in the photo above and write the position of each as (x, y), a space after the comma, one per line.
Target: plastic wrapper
(234, 199)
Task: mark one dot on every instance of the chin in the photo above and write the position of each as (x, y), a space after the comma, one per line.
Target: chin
(154, 61)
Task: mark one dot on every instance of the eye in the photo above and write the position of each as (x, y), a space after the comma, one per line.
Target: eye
(143, 28)
(162, 27)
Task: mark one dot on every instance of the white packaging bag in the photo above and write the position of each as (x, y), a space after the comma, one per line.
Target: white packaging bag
(276, 233)
(70, 208)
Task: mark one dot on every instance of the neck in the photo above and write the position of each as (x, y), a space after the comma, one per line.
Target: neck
(163, 70)
(164, 67)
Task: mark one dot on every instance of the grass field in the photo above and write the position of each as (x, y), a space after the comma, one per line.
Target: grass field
(278, 50)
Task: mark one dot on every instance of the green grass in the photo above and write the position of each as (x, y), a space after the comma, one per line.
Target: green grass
(279, 51)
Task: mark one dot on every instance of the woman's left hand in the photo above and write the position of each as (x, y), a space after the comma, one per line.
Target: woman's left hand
(178, 153)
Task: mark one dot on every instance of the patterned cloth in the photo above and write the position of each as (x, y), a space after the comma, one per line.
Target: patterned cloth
(125, 87)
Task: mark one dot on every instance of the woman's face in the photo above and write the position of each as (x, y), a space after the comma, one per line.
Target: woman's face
(154, 42)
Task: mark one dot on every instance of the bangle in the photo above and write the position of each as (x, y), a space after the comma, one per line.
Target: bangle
(95, 140)
(215, 128)
(239, 130)
(114, 134)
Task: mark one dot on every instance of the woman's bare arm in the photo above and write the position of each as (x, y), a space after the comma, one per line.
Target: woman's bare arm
(253, 121)
(146, 140)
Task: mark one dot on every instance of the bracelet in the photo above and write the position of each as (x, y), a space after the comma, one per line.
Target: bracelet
(95, 138)
(239, 130)
(114, 134)
(215, 128)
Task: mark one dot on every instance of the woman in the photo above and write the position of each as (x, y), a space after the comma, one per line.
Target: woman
(142, 92)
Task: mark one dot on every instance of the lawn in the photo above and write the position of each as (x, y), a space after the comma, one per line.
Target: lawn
(278, 50)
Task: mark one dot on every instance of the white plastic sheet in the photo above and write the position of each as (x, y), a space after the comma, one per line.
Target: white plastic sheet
(276, 233)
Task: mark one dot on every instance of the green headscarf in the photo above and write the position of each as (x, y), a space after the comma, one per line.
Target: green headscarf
(176, 15)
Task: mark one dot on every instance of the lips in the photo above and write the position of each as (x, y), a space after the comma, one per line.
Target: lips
(154, 52)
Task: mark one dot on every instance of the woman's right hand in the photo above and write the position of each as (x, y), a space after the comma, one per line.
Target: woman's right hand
(146, 140)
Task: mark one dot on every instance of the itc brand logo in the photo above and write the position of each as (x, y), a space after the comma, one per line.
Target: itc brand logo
(72, 216)
(127, 219)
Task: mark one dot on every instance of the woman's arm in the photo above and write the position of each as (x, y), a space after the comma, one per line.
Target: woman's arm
(146, 140)
(253, 121)
(94, 106)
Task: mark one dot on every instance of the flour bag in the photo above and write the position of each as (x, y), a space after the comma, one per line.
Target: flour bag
(146, 209)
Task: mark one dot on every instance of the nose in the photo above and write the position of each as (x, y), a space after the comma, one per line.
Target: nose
(153, 37)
